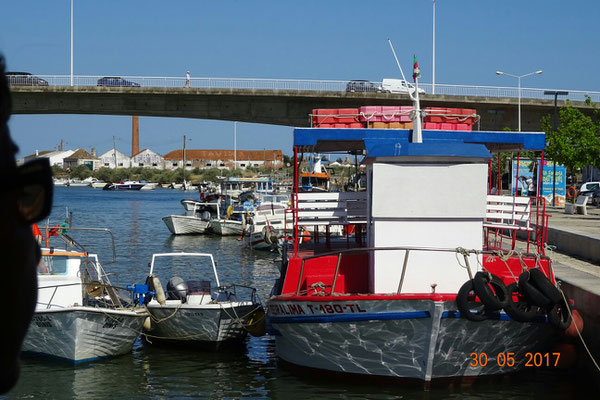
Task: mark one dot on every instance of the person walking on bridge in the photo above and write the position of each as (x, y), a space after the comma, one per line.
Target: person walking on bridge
(187, 80)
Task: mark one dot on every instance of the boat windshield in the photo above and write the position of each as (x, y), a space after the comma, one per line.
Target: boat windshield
(53, 265)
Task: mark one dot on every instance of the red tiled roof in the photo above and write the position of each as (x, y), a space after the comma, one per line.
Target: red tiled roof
(81, 154)
(253, 155)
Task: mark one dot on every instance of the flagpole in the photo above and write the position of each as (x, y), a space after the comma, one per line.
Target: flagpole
(417, 136)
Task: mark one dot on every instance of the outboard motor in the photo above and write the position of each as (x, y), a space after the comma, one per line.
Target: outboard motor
(177, 289)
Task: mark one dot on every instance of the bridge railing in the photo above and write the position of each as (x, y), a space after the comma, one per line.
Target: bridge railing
(317, 85)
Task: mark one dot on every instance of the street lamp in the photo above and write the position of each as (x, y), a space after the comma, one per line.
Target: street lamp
(519, 79)
(554, 93)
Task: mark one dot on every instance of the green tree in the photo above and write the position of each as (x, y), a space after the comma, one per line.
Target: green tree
(81, 172)
(576, 141)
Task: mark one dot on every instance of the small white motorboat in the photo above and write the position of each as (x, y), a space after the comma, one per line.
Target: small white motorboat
(80, 315)
(226, 227)
(194, 311)
(186, 224)
(78, 183)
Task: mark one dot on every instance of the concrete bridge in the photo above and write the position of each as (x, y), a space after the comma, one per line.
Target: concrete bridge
(265, 106)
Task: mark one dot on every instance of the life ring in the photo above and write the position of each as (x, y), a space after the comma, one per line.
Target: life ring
(559, 315)
(572, 192)
(229, 211)
(305, 235)
(462, 302)
(520, 311)
(543, 284)
(533, 295)
(491, 290)
(37, 234)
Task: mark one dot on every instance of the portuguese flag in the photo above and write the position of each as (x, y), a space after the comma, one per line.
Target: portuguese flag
(416, 70)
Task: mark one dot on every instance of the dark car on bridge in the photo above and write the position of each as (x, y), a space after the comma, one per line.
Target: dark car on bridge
(116, 81)
(363, 86)
(24, 79)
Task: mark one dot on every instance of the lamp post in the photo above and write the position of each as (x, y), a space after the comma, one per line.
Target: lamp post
(433, 57)
(234, 145)
(554, 93)
(71, 42)
(519, 83)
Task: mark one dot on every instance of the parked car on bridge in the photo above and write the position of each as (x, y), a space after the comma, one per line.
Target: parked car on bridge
(363, 86)
(399, 86)
(24, 79)
(116, 81)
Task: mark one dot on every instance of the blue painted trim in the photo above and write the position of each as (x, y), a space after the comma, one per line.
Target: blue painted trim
(350, 317)
(381, 317)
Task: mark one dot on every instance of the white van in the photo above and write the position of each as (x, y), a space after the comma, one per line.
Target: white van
(398, 86)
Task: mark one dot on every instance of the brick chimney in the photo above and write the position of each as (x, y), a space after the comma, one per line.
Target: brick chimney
(135, 135)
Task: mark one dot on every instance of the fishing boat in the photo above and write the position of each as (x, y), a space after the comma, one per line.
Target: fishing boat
(80, 315)
(234, 186)
(317, 178)
(200, 311)
(417, 294)
(267, 226)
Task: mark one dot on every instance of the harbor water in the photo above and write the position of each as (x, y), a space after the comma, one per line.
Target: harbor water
(249, 371)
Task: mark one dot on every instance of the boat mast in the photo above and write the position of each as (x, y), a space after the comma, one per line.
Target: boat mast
(184, 185)
(417, 136)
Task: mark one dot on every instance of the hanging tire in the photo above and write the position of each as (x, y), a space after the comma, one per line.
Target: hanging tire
(520, 311)
(543, 284)
(492, 292)
(533, 295)
(559, 315)
(465, 306)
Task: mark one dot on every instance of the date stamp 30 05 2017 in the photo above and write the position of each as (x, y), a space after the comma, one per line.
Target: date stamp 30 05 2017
(508, 359)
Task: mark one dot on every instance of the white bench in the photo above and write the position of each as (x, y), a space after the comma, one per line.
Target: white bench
(581, 205)
(509, 213)
(327, 208)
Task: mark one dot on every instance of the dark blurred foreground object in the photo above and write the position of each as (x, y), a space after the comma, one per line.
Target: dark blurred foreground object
(25, 197)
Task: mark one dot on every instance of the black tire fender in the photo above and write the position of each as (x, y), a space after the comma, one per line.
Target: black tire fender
(559, 315)
(148, 296)
(462, 302)
(533, 295)
(543, 284)
(494, 297)
(520, 311)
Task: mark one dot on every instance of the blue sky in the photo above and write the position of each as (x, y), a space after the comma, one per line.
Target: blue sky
(338, 40)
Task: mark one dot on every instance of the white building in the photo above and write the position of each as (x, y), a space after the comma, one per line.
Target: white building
(55, 157)
(147, 159)
(113, 158)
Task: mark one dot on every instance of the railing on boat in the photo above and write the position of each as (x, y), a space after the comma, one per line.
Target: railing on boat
(459, 251)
